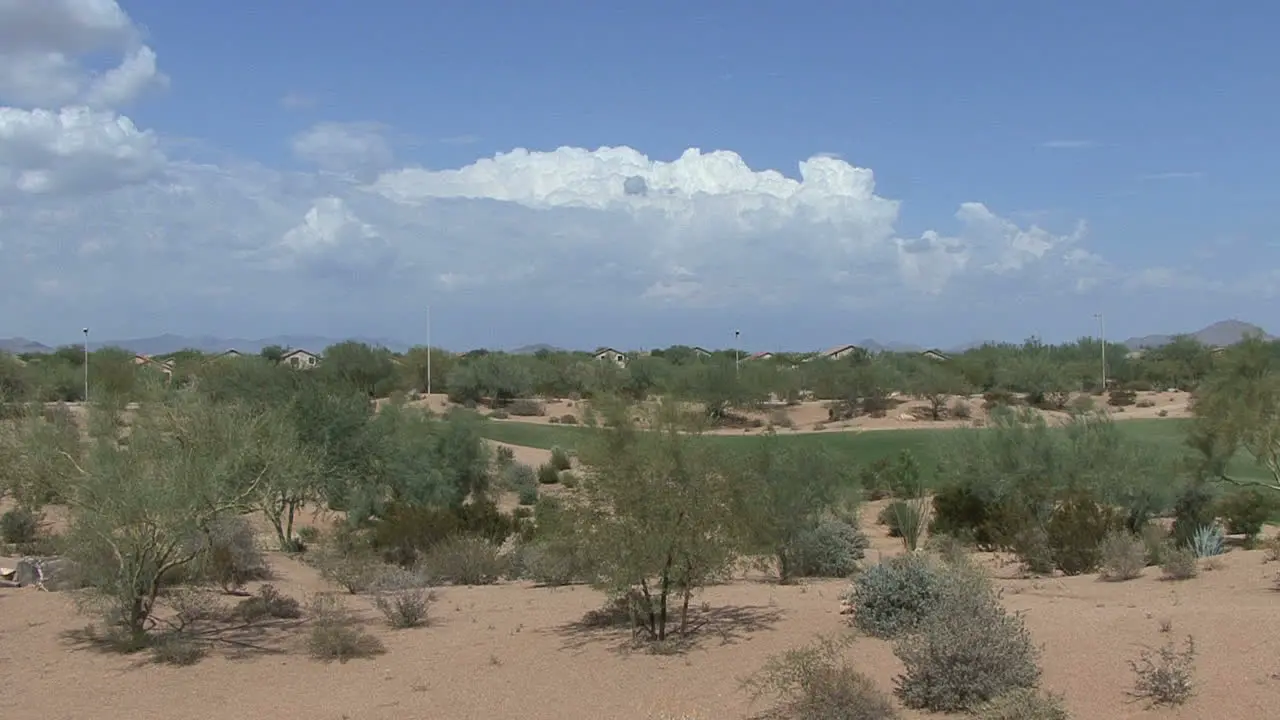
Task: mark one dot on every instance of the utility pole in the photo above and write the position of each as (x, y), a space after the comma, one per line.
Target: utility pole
(86, 366)
(428, 354)
(1102, 337)
(737, 360)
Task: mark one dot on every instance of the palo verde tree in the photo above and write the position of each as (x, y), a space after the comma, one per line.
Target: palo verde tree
(653, 515)
(1238, 407)
(142, 504)
(935, 382)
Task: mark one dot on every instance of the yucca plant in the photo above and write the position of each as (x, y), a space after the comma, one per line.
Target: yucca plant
(1208, 541)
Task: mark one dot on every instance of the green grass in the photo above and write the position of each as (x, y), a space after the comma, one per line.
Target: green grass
(864, 447)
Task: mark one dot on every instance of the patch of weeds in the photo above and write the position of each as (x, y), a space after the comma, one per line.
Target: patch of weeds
(1124, 557)
(1164, 676)
(1023, 704)
(464, 560)
(816, 683)
(336, 634)
(268, 603)
(560, 459)
(1180, 563)
(177, 649)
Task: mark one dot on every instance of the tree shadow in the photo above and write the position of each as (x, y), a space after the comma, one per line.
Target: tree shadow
(611, 626)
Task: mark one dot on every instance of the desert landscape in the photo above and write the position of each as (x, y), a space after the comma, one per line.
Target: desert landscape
(302, 585)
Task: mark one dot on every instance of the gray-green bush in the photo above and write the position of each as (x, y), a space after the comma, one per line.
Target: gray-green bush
(831, 549)
(816, 683)
(895, 596)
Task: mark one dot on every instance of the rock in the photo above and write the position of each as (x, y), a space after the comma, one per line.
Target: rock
(50, 573)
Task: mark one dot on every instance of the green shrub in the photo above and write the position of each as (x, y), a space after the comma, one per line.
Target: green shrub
(526, 408)
(527, 496)
(19, 526)
(1075, 533)
(1081, 404)
(553, 562)
(998, 398)
(967, 650)
(499, 414)
(232, 557)
(1164, 676)
(403, 599)
(1023, 704)
(1245, 511)
(1192, 510)
(816, 683)
(568, 479)
(268, 603)
(888, 516)
(874, 480)
(960, 410)
(335, 633)
(548, 475)
(894, 597)
(1121, 398)
(569, 419)
(1124, 556)
(464, 560)
(518, 475)
(832, 548)
(405, 532)
(961, 512)
(1155, 541)
(177, 649)
(504, 456)
(560, 459)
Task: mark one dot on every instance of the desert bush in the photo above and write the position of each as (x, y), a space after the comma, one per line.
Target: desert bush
(1180, 563)
(403, 601)
(893, 597)
(1245, 511)
(178, 649)
(560, 459)
(1164, 676)
(548, 475)
(568, 479)
(1163, 413)
(504, 456)
(960, 410)
(527, 496)
(553, 562)
(569, 419)
(1192, 510)
(832, 548)
(950, 549)
(354, 572)
(1023, 704)
(518, 475)
(1144, 403)
(554, 420)
(888, 516)
(499, 414)
(1121, 398)
(1123, 556)
(336, 634)
(464, 560)
(874, 480)
(232, 556)
(1081, 404)
(816, 683)
(406, 532)
(998, 398)
(1208, 541)
(524, 407)
(19, 526)
(268, 603)
(1075, 533)
(1155, 541)
(967, 650)
(308, 535)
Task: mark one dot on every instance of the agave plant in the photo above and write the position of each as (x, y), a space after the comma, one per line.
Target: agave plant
(1208, 541)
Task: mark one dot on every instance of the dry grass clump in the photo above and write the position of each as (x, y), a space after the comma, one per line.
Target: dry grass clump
(1180, 563)
(816, 683)
(1124, 557)
(1164, 676)
(336, 633)
(1023, 704)
(403, 599)
(464, 560)
(268, 603)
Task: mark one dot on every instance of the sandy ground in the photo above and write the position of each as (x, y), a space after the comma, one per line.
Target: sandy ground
(811, 416)
(514, 650)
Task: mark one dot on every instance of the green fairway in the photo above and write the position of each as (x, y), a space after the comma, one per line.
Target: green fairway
(859, 448)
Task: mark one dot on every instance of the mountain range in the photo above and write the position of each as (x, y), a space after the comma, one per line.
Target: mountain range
(1226, 332)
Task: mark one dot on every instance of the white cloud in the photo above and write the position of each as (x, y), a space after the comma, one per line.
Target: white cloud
(41, 41)
(72, 150)
(359, 148)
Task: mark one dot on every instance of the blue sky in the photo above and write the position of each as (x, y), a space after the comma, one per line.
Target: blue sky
(1032, 166)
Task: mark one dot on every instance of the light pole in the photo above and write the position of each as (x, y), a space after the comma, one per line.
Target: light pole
(737, 360)
(1102, 337)
(428, 353)
(86, 365)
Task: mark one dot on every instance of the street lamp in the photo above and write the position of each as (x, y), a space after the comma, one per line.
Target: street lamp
(1102, 338)
(86, 365)
(736, 353)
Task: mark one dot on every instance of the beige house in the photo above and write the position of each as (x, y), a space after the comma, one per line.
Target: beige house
(840, 352)
(766, 355)
(163, 366)
(935, 354)
(608, 354)
(232, 353)
(700, 352)
(299, 359)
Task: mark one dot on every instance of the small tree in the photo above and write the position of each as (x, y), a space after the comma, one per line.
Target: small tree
(936, 383)
(138, 515)
(653, 515)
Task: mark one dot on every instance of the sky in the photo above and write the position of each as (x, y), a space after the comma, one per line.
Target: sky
(636, 174)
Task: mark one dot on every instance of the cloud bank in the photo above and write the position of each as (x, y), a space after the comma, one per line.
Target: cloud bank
(96, 215)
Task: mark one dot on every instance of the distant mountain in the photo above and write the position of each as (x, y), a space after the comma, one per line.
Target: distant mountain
(18, 346)
(539, 347)
(1223, 333)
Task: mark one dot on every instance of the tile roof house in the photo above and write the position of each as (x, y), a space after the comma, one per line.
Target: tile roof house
(935, 354)
(608, 354)
(765, 355)
(841, 351)
(300, 359)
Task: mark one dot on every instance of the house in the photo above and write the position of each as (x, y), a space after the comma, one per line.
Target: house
(766, 355)
(840, 352)
(1135, 355)
(935, 355)
(232, 353)
(164, 366)
(299, 359)
(608, 354)
(701, 353)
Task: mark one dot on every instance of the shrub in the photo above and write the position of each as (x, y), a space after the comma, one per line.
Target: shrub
(405, 532)
(1191, 511)
(404, 607)
(1124, 556)
(548, 475)
(816, 683)
(888, 516)
(1246, 511)
(526, 408)
(1163, 413)
(268, 603)
(499, 414)
(1179, 563)
(568, 479)
(560, 459)
(552, 562)
(19, 526)
(527, 496)
(354, 573)
(1081, 404)
(233, 557)
(1144, 403)
(463, 560)
(518, 475)
(1121, 398)
(893, 597)
(177, 649)
(504, 456)
(1076, 530)
(960, 409)
(832, 548)
(1023, 704)
(874, 479)
(998, 398)
(968, 649)
(1155, 542)
(554, 420)
(335, 634)
(1164, 677)
(569, 419)
(308, 534)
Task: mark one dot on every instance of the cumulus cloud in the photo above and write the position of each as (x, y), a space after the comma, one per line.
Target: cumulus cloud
(358, 148)
(41, 43)
(72, 150)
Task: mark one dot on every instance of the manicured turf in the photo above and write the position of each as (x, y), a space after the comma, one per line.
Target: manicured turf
(864, 447)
